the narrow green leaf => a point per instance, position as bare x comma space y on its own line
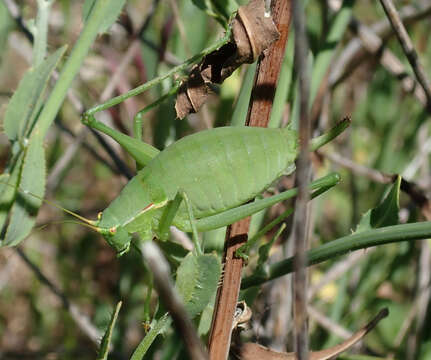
102, 9
283, 86
206, 318
241, 106
343, 245
197, 280
106, 340
157, 327
26, 205
27, 100
385, 214
113, 13
9, 190
265, 248
323, 59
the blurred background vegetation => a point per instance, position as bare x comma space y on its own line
389, 134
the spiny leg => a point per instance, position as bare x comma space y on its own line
198, 248
168, 216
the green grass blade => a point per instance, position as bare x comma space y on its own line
283, 86
317, 142
344, 245
106, 340
8, 193
157, 327
241, 106
111, 14
324, 57
25, 207
102, 9
41, 33
26, 101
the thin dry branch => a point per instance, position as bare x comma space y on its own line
374, 45
408, 48
300, 222
258, 115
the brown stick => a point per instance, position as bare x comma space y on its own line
300, 221
407, 45
259, 112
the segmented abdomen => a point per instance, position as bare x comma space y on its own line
222, 168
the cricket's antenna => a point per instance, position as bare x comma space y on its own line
92, 227
85, 222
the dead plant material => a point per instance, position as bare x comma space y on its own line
252, 351
252, 32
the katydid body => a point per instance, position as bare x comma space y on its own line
215, 172
218, 169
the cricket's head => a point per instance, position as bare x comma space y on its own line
118, 237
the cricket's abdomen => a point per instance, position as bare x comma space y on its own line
222, 168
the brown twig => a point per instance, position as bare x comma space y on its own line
353, 53
374, 45
258, 115
252, 351
302, 179
407, 45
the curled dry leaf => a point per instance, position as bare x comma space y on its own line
252, 351
252, 32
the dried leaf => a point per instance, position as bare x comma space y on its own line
259, 29
252, 32
252, 351
192, 94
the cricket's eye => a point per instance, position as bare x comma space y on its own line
99, 215
113, 230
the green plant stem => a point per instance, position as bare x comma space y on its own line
72, 66
41, 31
235, 214
321, 140
149, 84
157, 327
363, 240
106, 341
